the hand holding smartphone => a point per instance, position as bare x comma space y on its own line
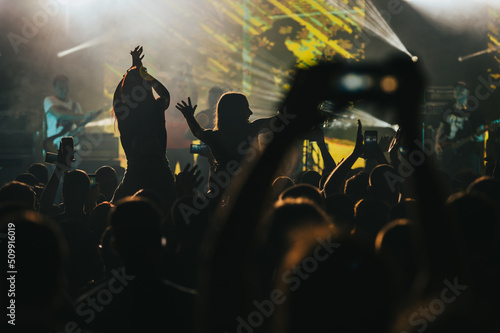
202, 149
370, 143
65, 155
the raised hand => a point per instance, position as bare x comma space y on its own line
384, 143
137, 57
187, 180
187, 109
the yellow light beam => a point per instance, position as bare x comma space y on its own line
318, 34
325, 12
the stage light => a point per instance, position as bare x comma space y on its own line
372, 20
353, 82
389, 84
92, 42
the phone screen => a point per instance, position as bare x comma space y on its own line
50, 158
198, 149
371, 138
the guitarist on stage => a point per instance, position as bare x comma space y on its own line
61, 111
462, 126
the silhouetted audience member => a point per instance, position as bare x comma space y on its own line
33, 182
399, 244
84, 264
206, 119
184, 239
356, 187
370, 216
18, 192
384, 183
28, 179
152, 196
287, 215
478, 221
40, 171
304, 191
143, 136
40, 282
358, 282
310, 177
279, 185
107, 179
487, 186
341, 209
463, 179
145, 301
233, 136
98, 220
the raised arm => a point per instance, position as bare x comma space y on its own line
159, 88
338, 176
63, 164
328, 162
187, 111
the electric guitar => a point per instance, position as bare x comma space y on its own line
50, 146
452, 147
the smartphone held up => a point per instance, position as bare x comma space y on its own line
65, 154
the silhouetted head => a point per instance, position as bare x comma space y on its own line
396, 242
40, 171
487, 186
304, 191
477, 218
75, 189
28, 179
40, 254
370, 216
108, 181
356, 187
280, 184
213, 96
384, 183
356, 283
341, 210
134, 103
136, 224
151, 195
232, 111
18, 192
98, 219
464, 178
287, 215
310, 177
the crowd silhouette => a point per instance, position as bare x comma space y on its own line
378, 248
